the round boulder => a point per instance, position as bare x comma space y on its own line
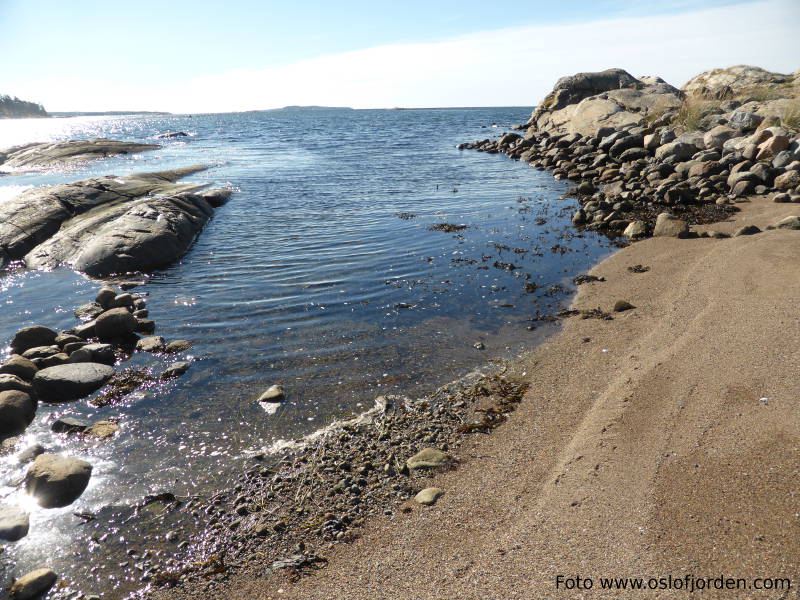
17, 410
57, 481
33, 585
14, 523
31, 337
115, 323
12, 382
70, 382
19, 366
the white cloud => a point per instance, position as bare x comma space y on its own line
514, 66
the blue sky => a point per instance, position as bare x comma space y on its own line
244, 54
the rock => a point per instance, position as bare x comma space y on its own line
48, 154
782, 198
588, 103
33, 584
747, 230
787, 181
151, 344
60, 358
670, 226
87, 312
81, 355
102, 353
216, 197
145, 326
172, 134
40, 352
428, 496
719, 83
176, 346
123, 300
428, 458
622, 306
70, 382
13, 383
85, 330
14, 523
129, 285
105, 297
19, 366
717, 136
102, 430
637, 229
33, 336
274, 393
790, 222
68, 425
745, 121
175, 370
141, 314
57, 481
679, 151
17, 410
65, 339
30, 453
772, 147
115, 323
65, 223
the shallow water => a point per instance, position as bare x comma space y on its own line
321, 274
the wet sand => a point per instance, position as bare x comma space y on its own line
661, 443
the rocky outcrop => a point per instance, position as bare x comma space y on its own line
46, 155
107, 225
588, 103
725, 83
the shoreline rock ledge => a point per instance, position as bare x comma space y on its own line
108, 225
37, 155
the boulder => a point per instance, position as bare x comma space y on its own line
153, 343
788, 180
273, 393
668, 225
14, 523
679, 151
747, 230
635, 230
19, 366
30, 453
772, 147
717, 136
68, 425
115, 323
790, 222
744, 121
102, 430
40, 352
89, 311
70, 382
17, 410
721, 83
105, 297
33, 585
13, 383
176, 346
102, 353
172, 134
33, 336
57, 481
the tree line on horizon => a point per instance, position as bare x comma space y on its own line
11, 107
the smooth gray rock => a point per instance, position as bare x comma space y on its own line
30, 453
17, 410
14, 523
81, 355
635, 230
76, 213
428, 496
33, 584
89, 311
33, 336
57, 481
681, 151
68, 425
176, 346
40, 352
102, 353
49, 154
60, 358
115, 323
153, 343
70, 382
105, 297
790, 222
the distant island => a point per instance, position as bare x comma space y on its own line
108, 113
315, 108
12, 107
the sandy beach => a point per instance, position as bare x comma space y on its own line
660, 443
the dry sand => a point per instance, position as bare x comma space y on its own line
645, 450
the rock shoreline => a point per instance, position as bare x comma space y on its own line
37, 156
637, 151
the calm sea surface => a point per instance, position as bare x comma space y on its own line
321, 274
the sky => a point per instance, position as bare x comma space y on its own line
234, 55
